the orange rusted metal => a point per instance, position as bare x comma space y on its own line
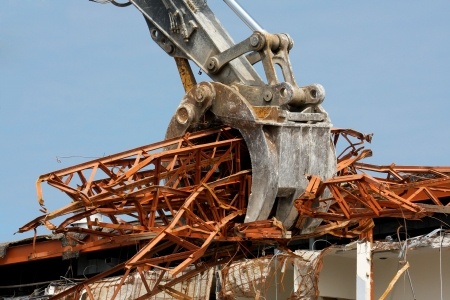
175, 198
178, 198
363, 191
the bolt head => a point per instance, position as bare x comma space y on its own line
200, 96
254, 40
184, 114
211, 64
268, 96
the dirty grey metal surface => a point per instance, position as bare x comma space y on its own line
287, 132
282, 153
189, 29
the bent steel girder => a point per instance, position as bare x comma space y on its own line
362, 196
174, 202
178, 198
411, 192
282, 152
137, 175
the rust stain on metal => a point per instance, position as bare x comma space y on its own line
196, 200
183, 195
357, 196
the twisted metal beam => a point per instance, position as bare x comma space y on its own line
361, 192
174, 198
177, 198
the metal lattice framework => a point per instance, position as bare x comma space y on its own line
174, 198
183, 202
361, 192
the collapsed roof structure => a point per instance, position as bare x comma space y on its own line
250, 175
178, 215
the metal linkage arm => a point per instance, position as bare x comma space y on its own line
189, 29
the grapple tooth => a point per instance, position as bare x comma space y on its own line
282, 152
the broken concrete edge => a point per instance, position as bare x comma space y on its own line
4, 246
307, 265
438, 238
241, 278
61, 237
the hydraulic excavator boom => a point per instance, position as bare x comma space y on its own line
287, 132
249, 159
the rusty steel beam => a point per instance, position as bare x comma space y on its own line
362, 191
176, 197
179, 197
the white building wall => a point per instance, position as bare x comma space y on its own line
338, 276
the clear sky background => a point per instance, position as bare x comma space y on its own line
80, 80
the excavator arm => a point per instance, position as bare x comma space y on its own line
244, 155
284, 126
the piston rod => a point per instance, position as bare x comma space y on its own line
244, 16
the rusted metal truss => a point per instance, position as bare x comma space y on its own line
361, 192
173, 199
183, 202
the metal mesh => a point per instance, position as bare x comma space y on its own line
306, 275
261, 278
246, 278
196, 288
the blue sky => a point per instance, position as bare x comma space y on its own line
82, 80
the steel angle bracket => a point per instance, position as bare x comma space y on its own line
282, 152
